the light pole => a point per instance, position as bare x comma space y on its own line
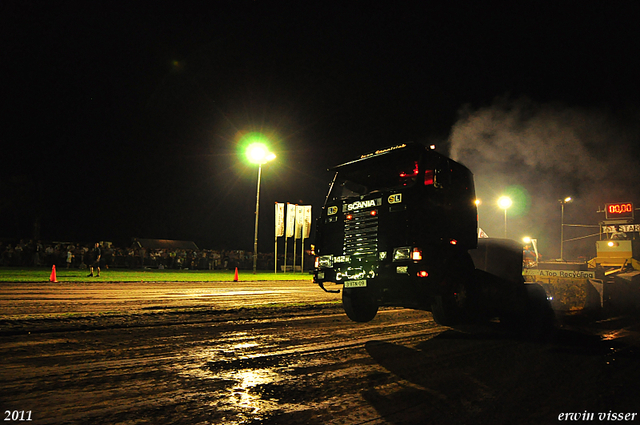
562, 202
258, 153
504, 202
477, 202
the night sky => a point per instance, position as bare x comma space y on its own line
122, 119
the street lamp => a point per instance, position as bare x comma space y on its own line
504, 202
562, 202
258, 153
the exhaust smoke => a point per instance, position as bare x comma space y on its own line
547, 152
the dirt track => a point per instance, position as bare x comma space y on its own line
179, 353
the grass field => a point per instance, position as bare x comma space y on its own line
16, 275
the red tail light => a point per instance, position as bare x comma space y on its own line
413, 172
428, 177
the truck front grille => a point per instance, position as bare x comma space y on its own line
361, 234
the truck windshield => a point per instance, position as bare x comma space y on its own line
392, 171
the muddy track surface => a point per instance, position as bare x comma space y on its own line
307, 364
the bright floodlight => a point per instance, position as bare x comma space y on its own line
504, 202
562, 202
258, 153
526, 239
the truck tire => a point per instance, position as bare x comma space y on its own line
537, 318
444, 310
359, 304
457, 303
542, 318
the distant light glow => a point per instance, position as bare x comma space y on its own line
504, 202
176, 66
255, 148
258, 153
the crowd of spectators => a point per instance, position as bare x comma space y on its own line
78, 256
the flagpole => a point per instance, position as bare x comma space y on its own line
285, 253
275, 250
295, 240
302, 254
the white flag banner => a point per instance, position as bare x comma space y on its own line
299, 220
291, 219
279, 219
306, 226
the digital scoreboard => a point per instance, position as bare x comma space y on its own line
618, 210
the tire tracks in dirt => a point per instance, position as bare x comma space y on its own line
230, 370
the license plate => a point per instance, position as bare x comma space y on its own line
355, 283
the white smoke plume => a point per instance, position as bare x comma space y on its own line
548, 152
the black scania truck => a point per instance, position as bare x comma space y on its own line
399, 228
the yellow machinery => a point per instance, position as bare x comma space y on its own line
610, 281
612, 253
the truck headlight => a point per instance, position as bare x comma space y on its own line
401, 254
325, 261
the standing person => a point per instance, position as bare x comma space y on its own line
37, 257
69, 256
97, 253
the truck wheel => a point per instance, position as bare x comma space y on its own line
446, 309
359, 304
458, 303
536, 319
541, 315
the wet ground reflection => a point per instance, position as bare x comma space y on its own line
247, 381
238, 372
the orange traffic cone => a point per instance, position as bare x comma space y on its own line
53, 275
235, 278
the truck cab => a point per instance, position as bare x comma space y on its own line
396, 229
